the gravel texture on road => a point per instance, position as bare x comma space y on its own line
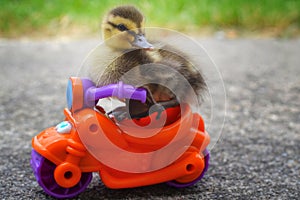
257, 156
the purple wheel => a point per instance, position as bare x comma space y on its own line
182, 185
44, 173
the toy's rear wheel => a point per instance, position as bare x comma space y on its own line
44, 173
182, 185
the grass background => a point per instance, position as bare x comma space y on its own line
42, 18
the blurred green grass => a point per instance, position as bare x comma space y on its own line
42, 18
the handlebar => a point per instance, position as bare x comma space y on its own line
82, 92
119, 90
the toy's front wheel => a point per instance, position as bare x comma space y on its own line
182, 185
44, 173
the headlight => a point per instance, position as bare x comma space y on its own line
64, 127
70, 94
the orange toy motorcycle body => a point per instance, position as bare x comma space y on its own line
127, 153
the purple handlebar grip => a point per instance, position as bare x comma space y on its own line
130, 92
119, 90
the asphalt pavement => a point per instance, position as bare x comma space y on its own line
257, 155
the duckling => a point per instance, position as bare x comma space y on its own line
125, 44
128, 49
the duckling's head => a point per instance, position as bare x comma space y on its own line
123, 29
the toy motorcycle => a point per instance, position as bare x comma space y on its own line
124, 151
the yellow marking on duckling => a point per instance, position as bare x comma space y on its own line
131, 25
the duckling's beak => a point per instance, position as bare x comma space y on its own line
141, 42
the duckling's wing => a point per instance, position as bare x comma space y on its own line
171, 56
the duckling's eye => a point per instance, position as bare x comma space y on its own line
122, 27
